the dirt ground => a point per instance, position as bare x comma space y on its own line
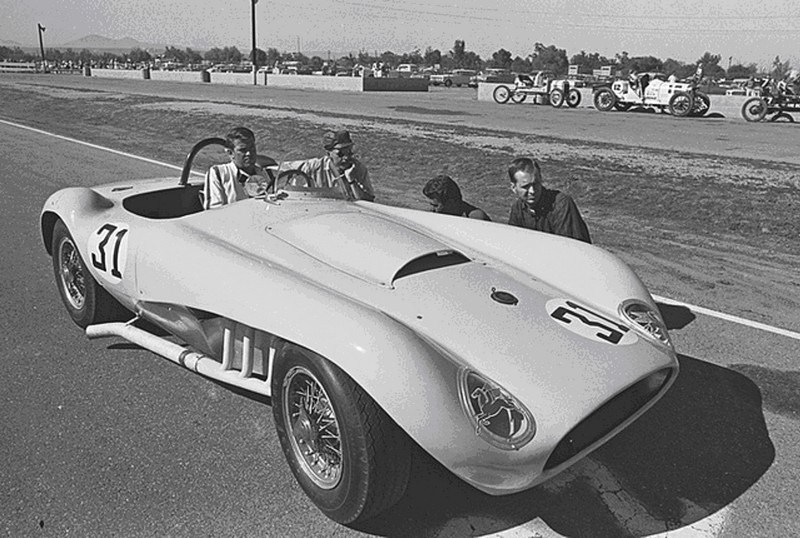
705, 210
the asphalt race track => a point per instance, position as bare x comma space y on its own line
100, 438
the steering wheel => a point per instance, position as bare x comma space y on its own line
293, 180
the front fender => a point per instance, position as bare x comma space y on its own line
75, 206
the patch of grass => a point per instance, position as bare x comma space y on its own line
752, 201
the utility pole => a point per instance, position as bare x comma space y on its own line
254, 56
41, 43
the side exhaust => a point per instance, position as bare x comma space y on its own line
192, 360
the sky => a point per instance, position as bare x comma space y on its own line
740, 31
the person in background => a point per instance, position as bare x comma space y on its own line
540, 208
225, 183
444, 196
339, 168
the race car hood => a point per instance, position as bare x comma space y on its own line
505, 310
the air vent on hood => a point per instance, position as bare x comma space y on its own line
434, 260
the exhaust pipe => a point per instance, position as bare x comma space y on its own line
192, 360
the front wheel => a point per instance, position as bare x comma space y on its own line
754, 109
349, 457
448, 83
501, 95
604, 99
85, 300
573, 98
681, 104
556, 98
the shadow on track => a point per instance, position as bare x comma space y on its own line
702, 446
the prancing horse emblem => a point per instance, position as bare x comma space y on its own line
492, 403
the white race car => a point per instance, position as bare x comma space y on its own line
652, 90
543, 84
506, 354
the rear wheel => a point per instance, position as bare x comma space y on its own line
501, 94
349, 457
556, 98
681, 104
604, 99
702, 103
754, 109
85, 300
573, 98
448, 83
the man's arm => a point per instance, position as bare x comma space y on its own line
214, 191
357, 177
567, 220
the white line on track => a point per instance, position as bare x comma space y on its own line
95, 146
665, 300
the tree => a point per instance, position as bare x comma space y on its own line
549, 58
138, 55
458, 53
501, 59
432, 57
741, 71
645, 64
710, 64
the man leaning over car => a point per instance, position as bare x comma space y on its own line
339, 168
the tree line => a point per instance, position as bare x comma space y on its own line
541, 58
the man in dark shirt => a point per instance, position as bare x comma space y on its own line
540, 208
444, 196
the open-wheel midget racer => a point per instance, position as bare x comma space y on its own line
652, 90
506, 354
775, 100
543, 84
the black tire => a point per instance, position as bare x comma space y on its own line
573, 98
556, 98
681, 104
702, 104
755, 109
604, 99
362, 465
518, 98
782, 116
85, 300
501, 95
448, 83
622, 107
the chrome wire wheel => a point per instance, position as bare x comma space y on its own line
314, 429
71, 275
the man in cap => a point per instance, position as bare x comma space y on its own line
338, 168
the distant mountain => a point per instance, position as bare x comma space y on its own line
106, 44
9, 43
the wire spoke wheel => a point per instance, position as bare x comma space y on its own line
315, 433
71, 276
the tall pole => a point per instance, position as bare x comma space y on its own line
254, 56
41, 43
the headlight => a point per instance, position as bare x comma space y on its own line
497, 416
646, 320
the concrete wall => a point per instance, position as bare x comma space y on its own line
307, 82
729, 106
395, 84
315, 82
